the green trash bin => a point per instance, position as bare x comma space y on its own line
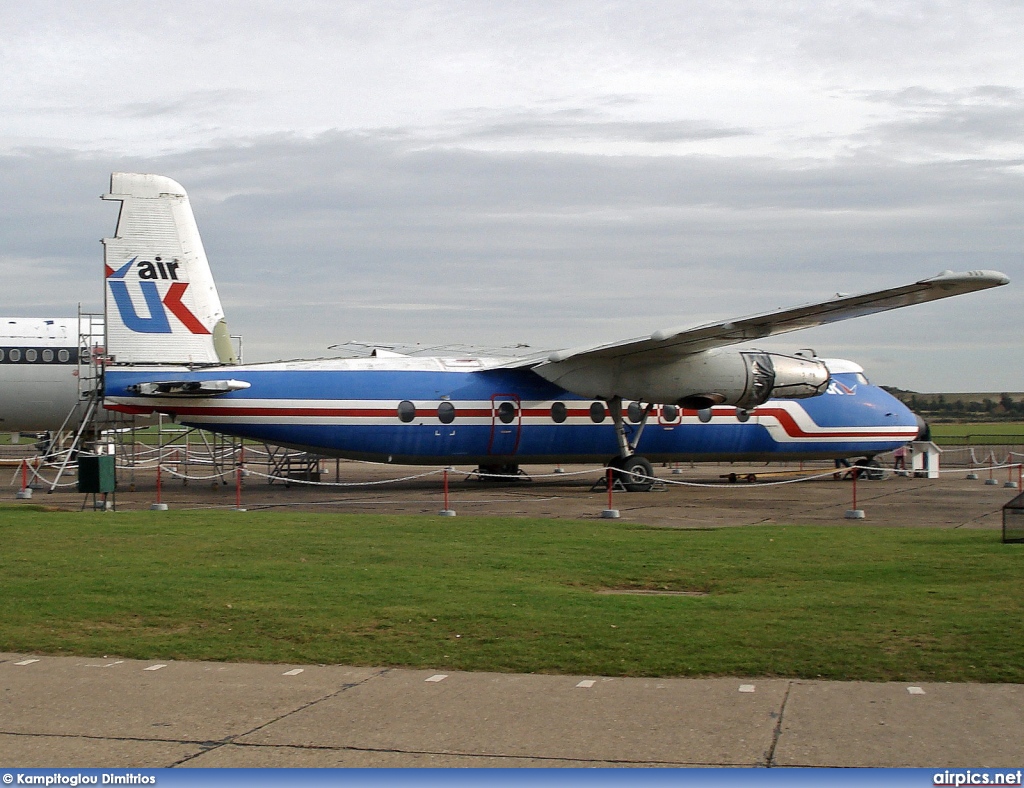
96, 473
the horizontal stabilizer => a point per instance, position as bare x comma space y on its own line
188, 388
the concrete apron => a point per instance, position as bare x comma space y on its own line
73, 711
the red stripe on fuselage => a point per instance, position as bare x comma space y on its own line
794, 430
783, 416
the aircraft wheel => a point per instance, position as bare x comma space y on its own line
635, 473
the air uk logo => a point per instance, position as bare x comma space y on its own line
835, 387
149, 273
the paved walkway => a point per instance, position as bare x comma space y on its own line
73, 711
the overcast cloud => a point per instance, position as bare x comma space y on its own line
549, 173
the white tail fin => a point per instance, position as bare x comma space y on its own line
162, 305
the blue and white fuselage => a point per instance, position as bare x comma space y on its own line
439, 411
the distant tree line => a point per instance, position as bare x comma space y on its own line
962, 407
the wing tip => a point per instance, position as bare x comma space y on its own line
978, 279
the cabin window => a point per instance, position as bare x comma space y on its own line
63, 356
635, 412
597, 412
446, 412
669, 412
1, 355
14, 354
558, 412
47, 355
742, 415
506, 412
406, 411
31, 354
704, 414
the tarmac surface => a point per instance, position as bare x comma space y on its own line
112, 712
61, 711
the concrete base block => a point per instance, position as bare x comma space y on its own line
447, 512
991, 482
609, 514
24, 495
158, 507
854, 514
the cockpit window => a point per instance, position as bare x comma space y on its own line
862, 379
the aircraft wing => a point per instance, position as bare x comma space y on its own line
673, 342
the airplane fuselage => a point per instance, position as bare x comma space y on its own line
39, 384
440, 411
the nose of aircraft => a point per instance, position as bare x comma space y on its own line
924, 430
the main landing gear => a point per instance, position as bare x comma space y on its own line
633, 471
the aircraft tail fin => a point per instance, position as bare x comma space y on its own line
162, 305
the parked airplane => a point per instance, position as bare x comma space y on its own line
39, 383
678, 394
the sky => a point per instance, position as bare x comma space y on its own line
549, 173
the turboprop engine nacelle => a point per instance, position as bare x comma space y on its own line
744, 379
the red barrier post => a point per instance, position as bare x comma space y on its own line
159, 506
238, 487
610, 513
25, 492
991, 468
447, 511
854, 513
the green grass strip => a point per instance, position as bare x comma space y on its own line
504, 594
978, 433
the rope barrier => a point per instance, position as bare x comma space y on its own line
831, 472
228, 460
178, 475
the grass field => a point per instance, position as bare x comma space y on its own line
514, 594
978, 433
